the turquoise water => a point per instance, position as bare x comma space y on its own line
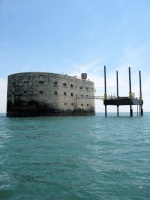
75, 157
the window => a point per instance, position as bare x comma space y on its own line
25, 92
72, 104
81, 87
65, 93
81, 95
87, 104
65, 104
41, 82
71, 94
81, 104
25, 82
55, 93
71, 85
64, 84
41, 92
87, 88
55, 84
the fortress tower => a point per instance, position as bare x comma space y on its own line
49, 94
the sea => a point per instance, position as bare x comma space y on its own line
72, 158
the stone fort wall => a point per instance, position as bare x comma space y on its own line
49, 94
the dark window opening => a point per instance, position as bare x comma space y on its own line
71, 85
65, 93
25, 82
72, 104
87, 88
25, 92
40, 82
71, 94
65, 104
81, 87
55, 93
55, 84
64, 84
41, 92
81, 104
87, 104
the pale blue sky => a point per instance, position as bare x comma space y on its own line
74, 36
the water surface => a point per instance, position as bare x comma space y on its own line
75, 157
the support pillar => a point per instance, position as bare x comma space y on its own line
105, 111
141, 111
117, 92
105, 90
117, 110
131, 111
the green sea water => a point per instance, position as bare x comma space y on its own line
75, 158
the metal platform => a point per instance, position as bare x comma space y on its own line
123, 101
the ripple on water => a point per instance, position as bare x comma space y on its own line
75, 157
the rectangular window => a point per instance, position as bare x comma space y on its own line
25, 82
55, 84
65, 93
25, 92
87, 88
81, 87
81, 104
72, 104
71, 85
65, 84
41, 92
41, 82
65, 104
55, 93
71, 94
87, 104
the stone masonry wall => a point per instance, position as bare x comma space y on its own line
36, 94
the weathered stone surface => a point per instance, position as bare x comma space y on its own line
48, 94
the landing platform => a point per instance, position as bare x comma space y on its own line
120, 101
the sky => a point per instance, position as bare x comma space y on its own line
78, 36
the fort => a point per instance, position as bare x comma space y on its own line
49, 94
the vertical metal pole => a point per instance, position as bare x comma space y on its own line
117, 93
137, 110
130, 83
130, 93
117, 84
105, 110
141, 109
105, 89
140, 85
131, 111
117, 110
